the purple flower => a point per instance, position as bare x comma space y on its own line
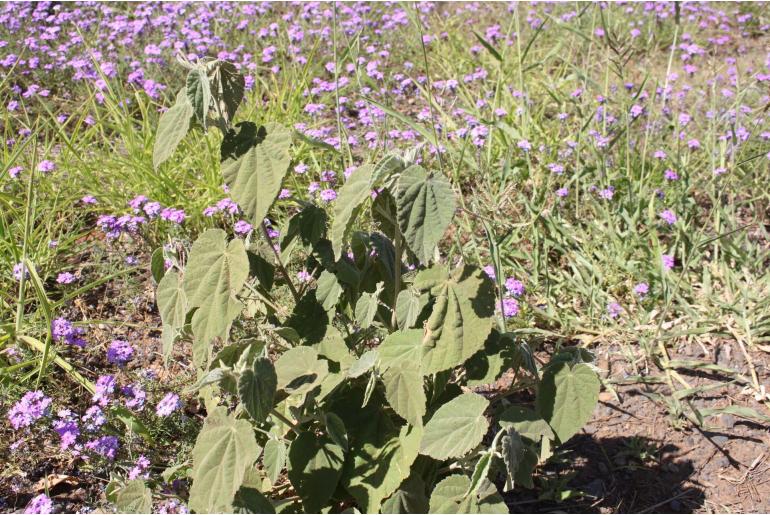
105, 446
284, 194
168, 404
46, 166
510, 307
671, 175
89, 200
668, 216
65, 278
328, 195
18, 270
720, 171
15, 171
614, 310
94, 418
303, 276
514, 287
135, 396
62, 329
33, 406
301, 168
490, 271
668, 261
139, 468
525, 145
607, 193
562, 192
641, 289
636, 110
39, 504
105, 387
242, 227
119, 352
67, 429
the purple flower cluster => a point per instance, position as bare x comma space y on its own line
168, 404
119, 352
30, 408
63, 330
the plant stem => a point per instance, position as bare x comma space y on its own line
397, 273
282, 268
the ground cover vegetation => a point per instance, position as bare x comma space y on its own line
385, 257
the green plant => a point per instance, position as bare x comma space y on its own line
361, 388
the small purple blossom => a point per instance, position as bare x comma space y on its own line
168, 404
63, 330
671, 175
668, 216
65, 278
105, 446
614, 310
242, 227
119, 352
642, 289
39, 504
135, 396
514, 287
510, 307
105, 387
139, 468
328, 195
46, 166
33, 406
667, 260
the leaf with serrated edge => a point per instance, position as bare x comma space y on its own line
135, 497
363, 364
199, 94
254, 163
315, 466
404, 391
354, 192
274, 459
366, 307
224, 450
216, 271
256, 389
401, 346
449, 496
172, 128
567, 397
172, 306
462, 316
407, 308
456, 428
328, 291
426, 206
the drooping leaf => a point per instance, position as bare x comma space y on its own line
274, 459
199, 94
426, 206
215, 273
462, 315
335, 428
309, 225
135, 497
451, 496
224, 450
299, 370
567, 396
409, 498
366, 307
309, 319
456, 428
172, 306
489, 364
227, 88
387, 166
254, 163
315, 466
134, 424
480, 472
328, 291
250, 500
381, 455
172, 128
400, 347
408, 308
256, 389
404, 391
354, 192
157, 265
512, 450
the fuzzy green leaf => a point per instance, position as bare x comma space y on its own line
315, 466
199, 94
224, 450
366, 307
404, 391
400, 347
456, 428
135, 497
567, 396
451, 496
250, 500
409, 498
274, 459
256, 389
354, 192
462, 316
299, 370
172, 305
335, 428
408, 308
526, 422
363, 364
172, 128
328, 291
227, 88
426, 206
216, 271
254, 163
